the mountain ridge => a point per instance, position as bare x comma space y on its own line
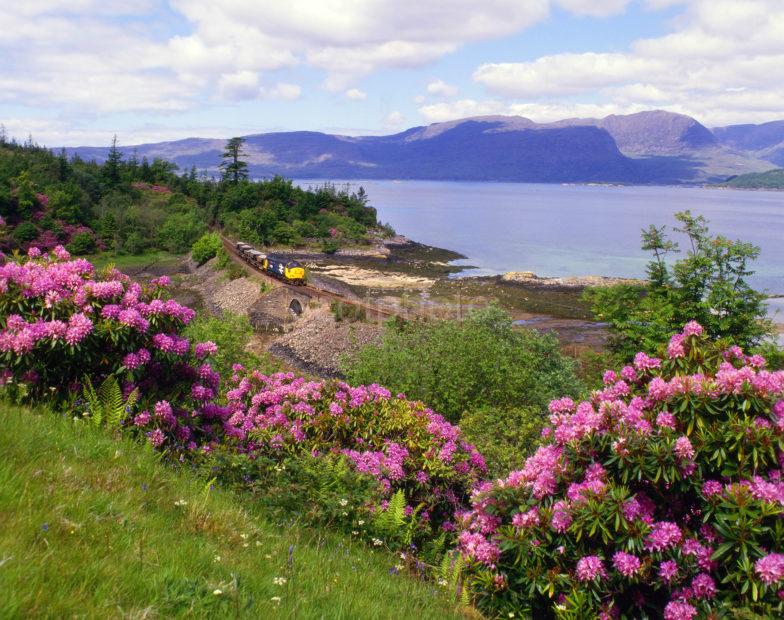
654, 147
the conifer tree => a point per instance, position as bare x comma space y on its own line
112, 166
233, 167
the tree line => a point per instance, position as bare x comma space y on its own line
129, 205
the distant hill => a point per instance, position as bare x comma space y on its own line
765, 141
772, 179
654, 147
651, 133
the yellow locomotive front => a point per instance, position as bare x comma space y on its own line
294, 272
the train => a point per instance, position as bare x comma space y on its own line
289, 271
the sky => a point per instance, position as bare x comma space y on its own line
76, 72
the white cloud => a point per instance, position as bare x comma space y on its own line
594, 8
354, 94
394, 120
663, 4
563, 74
722, 63
349, 39
441, 89
239, 85
57, 132
284, 91
244, 85
447, 111
114, 56
538, 112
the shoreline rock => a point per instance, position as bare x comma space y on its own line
529, 278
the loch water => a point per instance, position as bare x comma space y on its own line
573, 230
566, 230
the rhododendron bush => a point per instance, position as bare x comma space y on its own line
400, 443
62, 322
661, 495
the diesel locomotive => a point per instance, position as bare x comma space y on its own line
289, 271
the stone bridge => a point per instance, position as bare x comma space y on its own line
281, 305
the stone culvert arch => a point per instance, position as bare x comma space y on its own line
295, 307
281, 305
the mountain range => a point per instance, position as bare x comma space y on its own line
654, 147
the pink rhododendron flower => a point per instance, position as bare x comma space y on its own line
770, 568
675, 348
205, 349
711, 488
626, 563
663, 535
683, 448
590, 567
668, 571
703, 586
676, 610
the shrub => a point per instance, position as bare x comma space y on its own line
180, 230
401, 444
328, 246
136, 243
60, 323
347, 312
457, 367
82, 243
231, 334
708, 285
661, 494
232, 269
504, 437
206, 247
26, 231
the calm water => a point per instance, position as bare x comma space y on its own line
556, 230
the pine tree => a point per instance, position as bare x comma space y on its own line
234, 169
133, 166
112, 166
63, 171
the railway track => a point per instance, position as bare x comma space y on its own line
317, 293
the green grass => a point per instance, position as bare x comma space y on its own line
772, 179
96, 527
132, 262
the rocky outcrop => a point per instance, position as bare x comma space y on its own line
529, 278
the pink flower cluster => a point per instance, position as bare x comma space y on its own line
69, 317
770, 568
402, 444
159, 189
590, 567
652, 417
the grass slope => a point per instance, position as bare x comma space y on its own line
92, 527
772, 179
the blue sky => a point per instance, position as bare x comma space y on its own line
75, 72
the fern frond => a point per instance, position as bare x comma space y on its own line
93, 402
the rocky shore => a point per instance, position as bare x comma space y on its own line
529, 278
